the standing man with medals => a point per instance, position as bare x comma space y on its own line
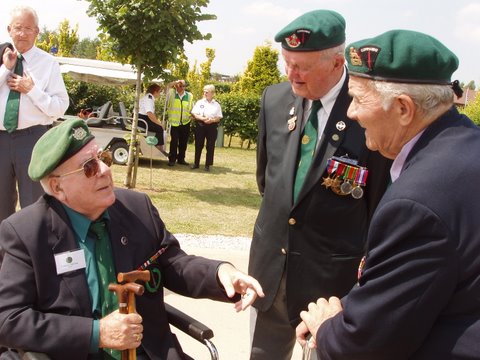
418, 293
32, 96
310, 233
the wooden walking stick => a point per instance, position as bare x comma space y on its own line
126, 291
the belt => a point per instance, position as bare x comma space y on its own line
30, 130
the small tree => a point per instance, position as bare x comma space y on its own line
148, 34
261, 71
472, 110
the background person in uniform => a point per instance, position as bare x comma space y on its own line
207, 112
29, 103
147, 113
179, 107
49, 306
309, 237
418, 294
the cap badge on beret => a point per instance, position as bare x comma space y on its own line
79, 133
368, 55
298, 38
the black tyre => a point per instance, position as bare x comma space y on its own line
119, 153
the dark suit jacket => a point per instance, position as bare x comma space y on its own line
322, 234
419, 295
3, 47
50, 313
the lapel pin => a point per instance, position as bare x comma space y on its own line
341, 126
124, 240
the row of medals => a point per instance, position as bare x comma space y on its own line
343, 187
345, 177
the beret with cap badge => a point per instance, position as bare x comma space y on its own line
313, 31
403, 56
58, 145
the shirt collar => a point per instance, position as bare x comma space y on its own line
328, 100
81, 223
399, 162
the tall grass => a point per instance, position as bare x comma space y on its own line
223, 201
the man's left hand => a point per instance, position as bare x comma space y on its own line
234, 281
22, 84
316, 315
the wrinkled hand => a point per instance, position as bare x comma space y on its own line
22, 84
9, 58
234, 281
316, 315
121, 331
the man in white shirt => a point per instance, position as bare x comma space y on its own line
41, 98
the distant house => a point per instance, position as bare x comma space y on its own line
467, 97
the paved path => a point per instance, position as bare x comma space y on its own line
231, 329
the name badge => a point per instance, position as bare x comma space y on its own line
70, 261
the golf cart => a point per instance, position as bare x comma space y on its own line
111, 131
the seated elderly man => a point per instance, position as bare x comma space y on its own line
418, 293
60, 254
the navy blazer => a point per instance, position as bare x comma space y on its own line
319, 239
45, 312
419, 295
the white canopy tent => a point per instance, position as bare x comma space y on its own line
98, 71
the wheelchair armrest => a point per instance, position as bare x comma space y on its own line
188, 325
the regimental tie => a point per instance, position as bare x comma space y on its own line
307, 148
106, 275
10, 121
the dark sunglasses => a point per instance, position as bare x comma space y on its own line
91, 167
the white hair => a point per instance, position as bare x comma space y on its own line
209, 88
46, 185
428, 98
21, 9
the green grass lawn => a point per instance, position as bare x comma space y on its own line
223, 201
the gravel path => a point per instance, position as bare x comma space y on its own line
214, 241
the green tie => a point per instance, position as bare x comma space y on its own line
10, 120
307, 148
106, 275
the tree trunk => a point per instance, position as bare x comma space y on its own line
133, 152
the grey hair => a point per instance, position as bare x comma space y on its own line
45, 185
209, 88
428, 98
20, 9
336, 50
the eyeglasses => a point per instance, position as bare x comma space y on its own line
25, 30
91, 167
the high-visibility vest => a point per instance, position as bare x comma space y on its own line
179, 109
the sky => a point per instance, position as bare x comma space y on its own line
243, 25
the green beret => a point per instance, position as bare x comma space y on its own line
313, 31
402, 56
58, 145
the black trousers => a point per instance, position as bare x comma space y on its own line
154, 127
178, 142
204, 132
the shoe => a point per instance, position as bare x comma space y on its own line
207, 168
166, 154
171, 163
194, 167
182, 162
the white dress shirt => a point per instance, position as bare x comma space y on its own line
47, 101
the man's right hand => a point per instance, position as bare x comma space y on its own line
9, 58
121, 331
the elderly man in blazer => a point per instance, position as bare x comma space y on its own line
310, 232
418, 293
52, 299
